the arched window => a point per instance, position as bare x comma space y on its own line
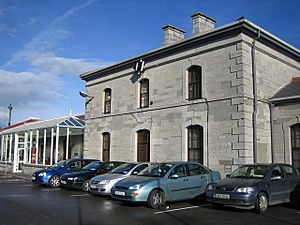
295, 140
195, 83
195, 143
107, 100
144, 93
106, 146
143, 146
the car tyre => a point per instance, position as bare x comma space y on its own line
156, 198
85, 186
262, 203
54, 181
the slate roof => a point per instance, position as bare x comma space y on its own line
288, 93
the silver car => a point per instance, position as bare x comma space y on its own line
102, 184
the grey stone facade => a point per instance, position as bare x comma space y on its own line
225, 110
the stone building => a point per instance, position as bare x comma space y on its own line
203, 98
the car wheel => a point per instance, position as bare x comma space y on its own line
85, 186
262, 202
54, 181
155, 199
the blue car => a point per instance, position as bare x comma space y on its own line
255, 186
162, 182
51, 175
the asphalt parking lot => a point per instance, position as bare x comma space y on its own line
22, 203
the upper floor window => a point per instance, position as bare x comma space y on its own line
144, 93
195, 82
107, 100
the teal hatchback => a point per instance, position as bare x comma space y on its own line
162, 182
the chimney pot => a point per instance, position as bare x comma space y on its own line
202, 23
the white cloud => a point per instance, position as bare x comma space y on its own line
44, 80
11, 31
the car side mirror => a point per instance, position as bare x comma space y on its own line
174, 176
276, 178
227, 175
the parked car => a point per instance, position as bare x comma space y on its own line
102, 184
162, 182
80, 179
51, 175
255, 186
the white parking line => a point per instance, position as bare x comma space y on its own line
83, 195
179, 209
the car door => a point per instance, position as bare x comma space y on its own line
198, 178
279, 186
178, 183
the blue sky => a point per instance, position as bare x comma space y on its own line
46, 45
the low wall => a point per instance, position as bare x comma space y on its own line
28, 169
6, 167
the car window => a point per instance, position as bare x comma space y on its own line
139, 168
276, 172
86, 162
75, 165
289, 170
124, 168
180, 171
195, 170
92, 166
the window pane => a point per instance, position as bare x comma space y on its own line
195, 143
144, 93
194, 86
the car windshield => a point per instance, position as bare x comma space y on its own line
124, 168
93, 166
251, 171
59, 165
156, 170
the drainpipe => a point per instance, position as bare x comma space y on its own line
207, 119
271, 107
254, 97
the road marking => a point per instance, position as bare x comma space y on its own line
16, 196
179, 209
83, 195
51, 189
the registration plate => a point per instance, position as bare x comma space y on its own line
63, 182
122, 193
222, 196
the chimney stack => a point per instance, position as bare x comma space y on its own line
172, 35
202, 23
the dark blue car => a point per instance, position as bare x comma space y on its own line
255, 186
51, 175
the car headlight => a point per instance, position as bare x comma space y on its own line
42, 174
245, 189
104, 182
135, 187
210, 187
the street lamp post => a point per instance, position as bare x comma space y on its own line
9, 117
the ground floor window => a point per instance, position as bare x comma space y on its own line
295, 140
195, 143
105, 146
143, 146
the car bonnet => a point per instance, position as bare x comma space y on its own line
134, 180
109, 176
